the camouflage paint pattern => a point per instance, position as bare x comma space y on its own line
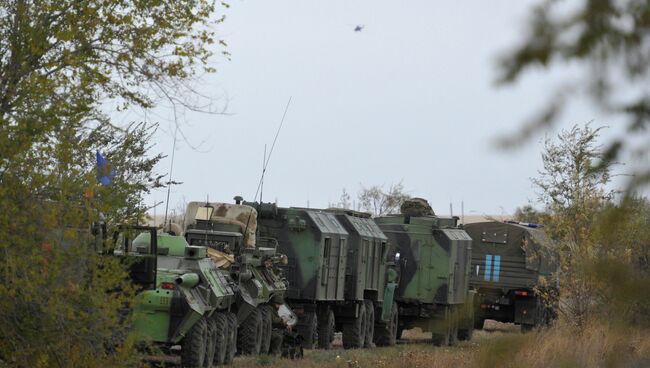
316, 245
433, 266
231, 229
243, 217
510, 262
166, 313
434, 260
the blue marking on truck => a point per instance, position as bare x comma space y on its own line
497, 268
488, 267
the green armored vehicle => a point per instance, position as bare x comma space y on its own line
513, 270
228, 233
185, 300
433, 256
338, 274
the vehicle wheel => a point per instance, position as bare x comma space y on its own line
386, 333
308, 329
440, 339
370, 324
443, 325
267, 327
277, 338
354, 332
326, 329
222, 338
466, 332
231, 344
400, 331
193, 346
211, 343
249, 335
478, 322
453, 330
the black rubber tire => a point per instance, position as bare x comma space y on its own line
267, 327
442, 327
386, 332
478, 322
277, 337
400, 331
370, 325
466, 334
249, 334
308, 328
326, 329
231, 347
440, 339
211, 342
222, 338
193, 345
453, 331
354, 332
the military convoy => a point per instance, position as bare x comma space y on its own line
338, 271
253, 278
514, 272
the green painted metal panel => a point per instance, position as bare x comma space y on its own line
151, 315
434, 260
316, 247
525, 254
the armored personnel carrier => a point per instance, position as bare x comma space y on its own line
185, 300
514, 271
433, 256
339, 276
228, 232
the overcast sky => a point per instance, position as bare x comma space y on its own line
411, 98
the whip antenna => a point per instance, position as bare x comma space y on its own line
266, 162
171, 169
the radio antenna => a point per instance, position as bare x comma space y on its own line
171, 169
266, 161
262, 179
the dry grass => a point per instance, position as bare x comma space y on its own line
499, 345
597, 345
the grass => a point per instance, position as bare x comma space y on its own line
598, 345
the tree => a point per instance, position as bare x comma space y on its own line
527, 213
381, 202
573, 189
607, 38
60, 61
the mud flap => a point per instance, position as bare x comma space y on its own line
526, 311
387, 306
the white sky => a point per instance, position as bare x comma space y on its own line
411, 98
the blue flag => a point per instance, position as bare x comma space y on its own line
104, 170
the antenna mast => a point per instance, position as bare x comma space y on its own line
171, 169
267, 159
263, 170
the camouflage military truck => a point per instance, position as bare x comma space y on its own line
513, 270
338, 274
228, 231
433, 258
185, 300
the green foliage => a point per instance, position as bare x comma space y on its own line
528, 213
573, 192
603, 245
609, 40
61, 304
